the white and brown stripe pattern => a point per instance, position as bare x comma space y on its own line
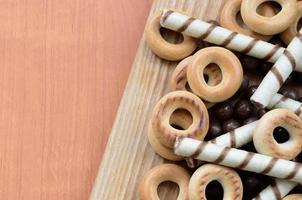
236, 158
281, 70
236, 138
213, 33
276, 191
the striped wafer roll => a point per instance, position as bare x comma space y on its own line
276, 191
236, 138
278, 74
215, 34
236, 158
280, 101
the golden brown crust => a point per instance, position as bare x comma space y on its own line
164, 49
268, 25
291, 31
228, 19
231, 69
179, 77
228, 178
264, 139
293, 197
161, 173
160, 149
160, 120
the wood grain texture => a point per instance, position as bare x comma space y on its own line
63, 66
128, 155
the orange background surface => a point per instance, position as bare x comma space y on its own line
63, 68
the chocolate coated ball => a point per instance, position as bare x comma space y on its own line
243, 109
250, 63
251, 90
290, 92
244, 84
265, 67
223, 111
215, 130
230, 125
260, 113
249, 120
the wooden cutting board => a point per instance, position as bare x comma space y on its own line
128, 154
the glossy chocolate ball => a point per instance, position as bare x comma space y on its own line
290, 92
243, 109
275, 40
230, 125
223, 111
251, 90
249, 147
215, 130
245, 83
249, 120
260, 113
265, 67
250, 63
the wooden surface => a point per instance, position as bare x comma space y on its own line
128, 154
63, 67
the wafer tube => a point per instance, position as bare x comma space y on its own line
278, 74
236, 138
215, 34
280, 101
240, 159
276, 191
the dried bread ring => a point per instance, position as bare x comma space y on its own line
293, 197
163, 48
179, 77
179, 118
268, 25
164, 109
231, 70
263, 136
228, 18
228, 178
292, 30
161, 173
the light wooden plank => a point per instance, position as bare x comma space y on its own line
128, 155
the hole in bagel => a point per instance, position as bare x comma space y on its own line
168, 190
214, 191
281, 135
299, 24
171, 36
275, 5
181, 119
212, 74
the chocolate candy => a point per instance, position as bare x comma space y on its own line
250, 63
290, 92
223, 111
251, 90
215, 130
244, 84
249, 120
265, 67
253, 183
243, 109
230, 125
260, 113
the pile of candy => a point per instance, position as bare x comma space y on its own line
238, 110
